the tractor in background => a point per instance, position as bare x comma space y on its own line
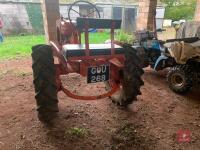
181, 55
115, 64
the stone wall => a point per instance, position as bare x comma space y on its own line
146, 14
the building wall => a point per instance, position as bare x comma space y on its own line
15, 18
107, 11
27, 17
129, 19
21, 17
197, 15
146, 14
160, 13
64, 11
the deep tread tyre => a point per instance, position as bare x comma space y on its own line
179, 79
132, 80
44, 82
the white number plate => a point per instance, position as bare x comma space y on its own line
98, 74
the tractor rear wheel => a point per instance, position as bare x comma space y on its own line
44, 74
132, 80
180, 79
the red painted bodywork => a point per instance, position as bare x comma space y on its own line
80, 64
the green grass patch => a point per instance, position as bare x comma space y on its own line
97, 38
77, 132
17, 46
125, 38
14, 46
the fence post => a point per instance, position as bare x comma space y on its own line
50, 11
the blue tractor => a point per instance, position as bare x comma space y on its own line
183, 74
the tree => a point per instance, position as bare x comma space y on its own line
180, 9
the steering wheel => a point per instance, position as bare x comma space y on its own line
91, 6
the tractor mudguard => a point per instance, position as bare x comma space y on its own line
159, 61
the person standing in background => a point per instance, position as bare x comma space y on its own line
1, 26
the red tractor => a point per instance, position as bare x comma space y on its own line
116, 64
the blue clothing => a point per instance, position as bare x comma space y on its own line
1, 37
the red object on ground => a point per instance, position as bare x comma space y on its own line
184, 136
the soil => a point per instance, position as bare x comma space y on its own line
151, 123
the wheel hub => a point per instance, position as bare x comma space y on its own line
177, 80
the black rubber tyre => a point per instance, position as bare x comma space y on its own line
143, 55
44, 82
179, 79
132, 80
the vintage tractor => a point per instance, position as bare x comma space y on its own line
116, 64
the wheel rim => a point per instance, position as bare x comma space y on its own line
177, 80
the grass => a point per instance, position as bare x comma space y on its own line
98, 38
14, 46
17, 46
77, 132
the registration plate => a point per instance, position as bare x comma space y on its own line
98, 74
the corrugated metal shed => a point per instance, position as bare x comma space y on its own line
104, 1
25, 1
160, 13
71, 1
94, 1
126, 10
116, 2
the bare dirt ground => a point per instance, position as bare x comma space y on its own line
150, 123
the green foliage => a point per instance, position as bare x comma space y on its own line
180, 9
124, 37
180, 12
77, 132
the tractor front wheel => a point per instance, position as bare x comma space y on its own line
44, 74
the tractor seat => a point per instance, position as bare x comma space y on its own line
77, 50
